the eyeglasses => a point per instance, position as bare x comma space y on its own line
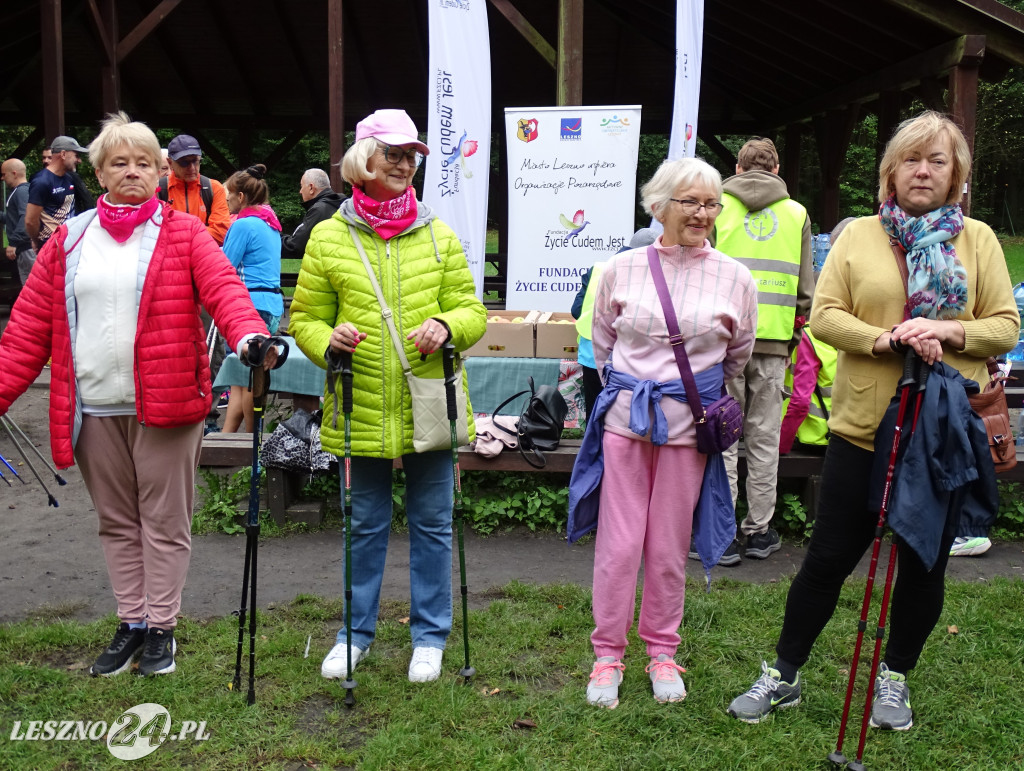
395, 155
187, 162
690, 207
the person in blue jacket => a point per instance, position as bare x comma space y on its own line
253, 245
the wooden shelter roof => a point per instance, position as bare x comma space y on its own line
264, 64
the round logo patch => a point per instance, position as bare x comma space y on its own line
761, 225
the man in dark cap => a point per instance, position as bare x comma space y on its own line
51, 194
189, 191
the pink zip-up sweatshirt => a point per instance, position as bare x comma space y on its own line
715, 301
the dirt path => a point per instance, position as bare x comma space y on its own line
51, 563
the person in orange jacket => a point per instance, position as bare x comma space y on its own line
185, 186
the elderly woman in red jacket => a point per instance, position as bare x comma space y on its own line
114, 299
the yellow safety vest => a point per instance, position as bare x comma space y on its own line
584, 324
768, 242
814, 429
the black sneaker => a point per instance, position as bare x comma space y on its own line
222, 402
731, 558
158, 656
119, 654
761, 545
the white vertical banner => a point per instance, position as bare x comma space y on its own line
689, 47
571, 197
459, 123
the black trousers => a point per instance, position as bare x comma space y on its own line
591, 387
844, 529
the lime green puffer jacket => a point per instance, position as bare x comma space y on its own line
423, 274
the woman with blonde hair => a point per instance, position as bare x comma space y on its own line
424, 278
114, 297
956, 307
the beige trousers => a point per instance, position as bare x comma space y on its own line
142, 482
758, 389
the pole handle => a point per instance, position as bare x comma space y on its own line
448, 361
346, 381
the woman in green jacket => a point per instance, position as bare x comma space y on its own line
424, 277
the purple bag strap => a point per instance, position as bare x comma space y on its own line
675, 337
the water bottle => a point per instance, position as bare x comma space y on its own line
1017, 354
820, 245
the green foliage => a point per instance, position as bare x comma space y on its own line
219, 501
793, 513
492, 501
1010, 520
1013, 249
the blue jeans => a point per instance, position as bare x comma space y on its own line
429, 501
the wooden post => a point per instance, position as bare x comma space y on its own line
963, 99
888, 118
52, 87
570, 52
336, 90
833, 132
110, 72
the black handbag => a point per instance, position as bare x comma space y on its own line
539, 428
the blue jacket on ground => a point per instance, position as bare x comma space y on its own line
714, 520
944, 477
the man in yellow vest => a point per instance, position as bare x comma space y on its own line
762, 227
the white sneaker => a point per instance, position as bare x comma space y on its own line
425, 665
335, 665
969, 547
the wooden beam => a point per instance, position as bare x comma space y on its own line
570, 52
833, 132
33, 138
888, 118
226, 32
723, 153
52, 86
153, 20
110, 72
897, 77
99, 26
284, 147
527, 30
295, 49
1001, 25
963, 104
211, 151
335, 89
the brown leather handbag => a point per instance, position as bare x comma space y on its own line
989, 403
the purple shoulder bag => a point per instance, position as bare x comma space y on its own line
720, 425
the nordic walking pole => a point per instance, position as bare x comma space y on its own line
60, 480
259, 379
858, 765
340, 362
50, 499
450, 384
13, 471
837, 757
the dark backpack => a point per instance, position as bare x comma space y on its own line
205, 193
540, 425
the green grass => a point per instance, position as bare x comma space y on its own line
1013, 248
530, 647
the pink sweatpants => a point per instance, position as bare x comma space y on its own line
648, 495
142, 482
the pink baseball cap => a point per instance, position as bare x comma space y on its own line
392, 127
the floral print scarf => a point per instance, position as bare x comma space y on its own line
937, 284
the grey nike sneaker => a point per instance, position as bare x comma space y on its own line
767, 694
891, 705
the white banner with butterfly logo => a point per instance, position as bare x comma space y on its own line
571, 197
459, 124
689, 50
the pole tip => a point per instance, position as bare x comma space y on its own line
467, 672
837, 759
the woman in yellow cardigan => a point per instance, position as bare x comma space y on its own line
961, 311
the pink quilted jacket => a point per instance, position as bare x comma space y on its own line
172, 373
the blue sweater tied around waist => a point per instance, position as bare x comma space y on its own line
714, 519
